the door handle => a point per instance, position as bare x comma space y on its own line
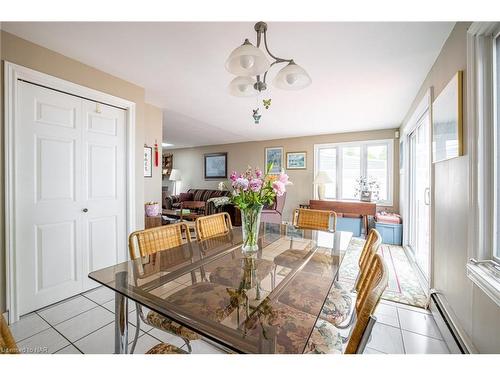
85, 210
427, 196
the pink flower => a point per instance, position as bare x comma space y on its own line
258, 173
255, 184
283, 178
279, 188
233, 176
241, 183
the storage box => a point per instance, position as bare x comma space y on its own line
392, 234
350, 225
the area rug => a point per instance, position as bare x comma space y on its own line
403, 287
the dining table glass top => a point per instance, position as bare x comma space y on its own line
266, 302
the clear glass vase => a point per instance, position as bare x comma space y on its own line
250, 223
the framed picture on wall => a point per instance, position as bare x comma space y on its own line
447, 121
215, 166
274, 155
148, 161
296, 160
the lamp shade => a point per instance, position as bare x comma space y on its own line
292, 77
247, 60
322, 178
175, 175
242, 86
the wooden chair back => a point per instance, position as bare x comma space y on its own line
370, 248
372, 286
7, 342
315, 219
213, 225
150, 241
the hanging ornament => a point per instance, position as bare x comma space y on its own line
267, 103
156, 153
256, 116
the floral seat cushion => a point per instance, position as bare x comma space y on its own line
306, 293
164, 348
206, 299
162, 322
236, 273
325, 339
283, 328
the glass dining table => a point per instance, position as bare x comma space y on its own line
265, 302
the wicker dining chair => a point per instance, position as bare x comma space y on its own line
7, 342
315, 219
213, 225
326, 338
150, 241
338, 308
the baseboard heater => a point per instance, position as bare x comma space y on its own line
455, 338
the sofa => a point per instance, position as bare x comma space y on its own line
173, 202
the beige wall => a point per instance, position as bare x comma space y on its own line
153, 122
476, 313
22, 52
190, 162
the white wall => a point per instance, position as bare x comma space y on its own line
477, 314
153, 129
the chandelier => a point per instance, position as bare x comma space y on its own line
251, 66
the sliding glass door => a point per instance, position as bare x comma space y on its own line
419, 194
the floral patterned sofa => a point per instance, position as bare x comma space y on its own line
174, 201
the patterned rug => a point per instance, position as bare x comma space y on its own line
403, 287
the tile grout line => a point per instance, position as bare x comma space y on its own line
55, 329
401, 333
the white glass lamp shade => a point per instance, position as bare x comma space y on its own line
247, 60
292, 77
322, 178
175, 175
242, 86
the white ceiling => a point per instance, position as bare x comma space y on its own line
364, 75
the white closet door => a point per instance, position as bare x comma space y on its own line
70, 194
104, 191
48, 237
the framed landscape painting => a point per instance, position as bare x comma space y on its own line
216, 166
296, 160
447, 121
274, 155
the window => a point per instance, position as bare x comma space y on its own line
345, 163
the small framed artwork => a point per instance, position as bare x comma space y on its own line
148, 161
274, 155
216, 166
296, 160
447, 117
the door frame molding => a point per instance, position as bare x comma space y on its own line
12, 74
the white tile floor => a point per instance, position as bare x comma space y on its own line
85, 324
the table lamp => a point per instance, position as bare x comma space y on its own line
175, 176
321, 179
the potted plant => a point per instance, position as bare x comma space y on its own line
251, 191
367, 189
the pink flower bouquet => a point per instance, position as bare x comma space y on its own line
251, 191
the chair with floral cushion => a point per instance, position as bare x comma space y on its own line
338, 304
326, 338
150, 241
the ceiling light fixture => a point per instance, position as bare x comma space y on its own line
248, 60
